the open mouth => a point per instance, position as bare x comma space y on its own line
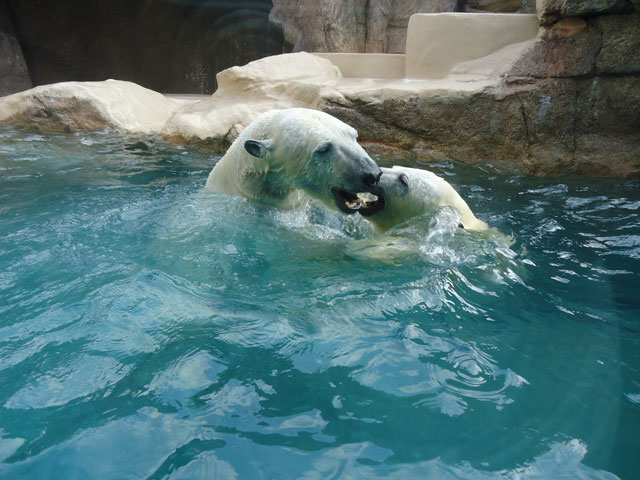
365, 203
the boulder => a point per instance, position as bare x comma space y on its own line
608, 106
281, 81
583, 74
550, 126
79, 106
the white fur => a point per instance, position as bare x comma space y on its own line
425, 192
292, 163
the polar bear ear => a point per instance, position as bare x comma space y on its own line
258, 148
324, 147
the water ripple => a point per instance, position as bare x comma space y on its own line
84, 376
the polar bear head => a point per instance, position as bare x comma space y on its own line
297, 149
409, 192
405, 194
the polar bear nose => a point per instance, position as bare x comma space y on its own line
369, 179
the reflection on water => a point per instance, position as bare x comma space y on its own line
149, 328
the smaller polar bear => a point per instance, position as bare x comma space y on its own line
284, 155
409, 192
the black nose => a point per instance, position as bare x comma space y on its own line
370, 179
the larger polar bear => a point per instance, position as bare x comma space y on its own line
284, 155
409, 192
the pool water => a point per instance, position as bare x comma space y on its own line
151, 329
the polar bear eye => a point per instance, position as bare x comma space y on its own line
404, 180
324, 147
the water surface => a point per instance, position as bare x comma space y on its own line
151, 329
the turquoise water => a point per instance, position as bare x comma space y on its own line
150, 329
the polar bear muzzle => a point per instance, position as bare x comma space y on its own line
365, 203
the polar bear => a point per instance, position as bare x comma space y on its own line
284, 155
408, 192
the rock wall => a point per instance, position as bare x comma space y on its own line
372, 26
14, 75
167, 46
579, 88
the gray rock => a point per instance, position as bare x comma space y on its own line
620, 51
551, 126
584, 118
608, 106
592, 155
567, 48
501, 6
321, 25
14, 76
549, 11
